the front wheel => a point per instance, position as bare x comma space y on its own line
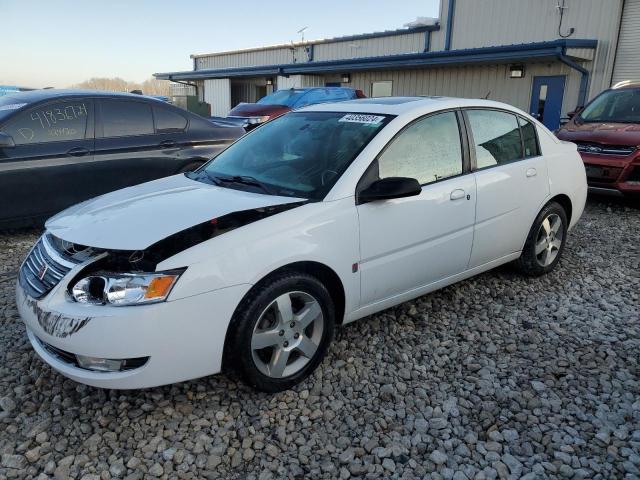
281, 331
545, 242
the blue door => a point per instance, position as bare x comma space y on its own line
546, 99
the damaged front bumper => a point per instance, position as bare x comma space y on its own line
158, 344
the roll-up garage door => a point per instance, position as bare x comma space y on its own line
627, 65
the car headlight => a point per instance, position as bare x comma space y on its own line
257, 120
121, 289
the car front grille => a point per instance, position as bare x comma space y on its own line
602, 149
635, 175
43, 268
597, 173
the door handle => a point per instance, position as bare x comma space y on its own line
168, 144
78, 152
532, 172
457, 194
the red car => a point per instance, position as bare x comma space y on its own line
607, 132
250, 115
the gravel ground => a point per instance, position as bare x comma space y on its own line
499, 376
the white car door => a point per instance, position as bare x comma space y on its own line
511, 178
407, 243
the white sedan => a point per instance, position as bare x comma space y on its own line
321, 217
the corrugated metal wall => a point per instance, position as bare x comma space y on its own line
297, 81
248, 90
217, 93
388, 45
245, 59
179, 89
479, 23
472, 82
370, 47
627, 62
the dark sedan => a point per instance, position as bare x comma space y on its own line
60, 147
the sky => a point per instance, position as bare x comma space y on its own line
61, 42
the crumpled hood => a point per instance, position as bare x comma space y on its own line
136, 217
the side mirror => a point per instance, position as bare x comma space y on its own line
575, 112
388, 188
6, 140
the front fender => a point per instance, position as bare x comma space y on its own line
323, 232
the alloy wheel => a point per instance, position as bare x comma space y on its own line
549, 240
287, 335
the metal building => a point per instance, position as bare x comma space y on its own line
543, 56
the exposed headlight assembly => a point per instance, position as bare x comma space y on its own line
120, 289
257, 120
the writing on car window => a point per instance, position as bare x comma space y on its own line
55, 122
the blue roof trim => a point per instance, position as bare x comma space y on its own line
520, 52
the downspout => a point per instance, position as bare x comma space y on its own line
427, 41
584, 80
449, 34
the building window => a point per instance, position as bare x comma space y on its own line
381, 89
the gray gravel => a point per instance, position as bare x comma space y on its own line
497, 377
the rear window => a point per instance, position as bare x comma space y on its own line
496, 136
283, 97
168, 120
121, 118
529, 138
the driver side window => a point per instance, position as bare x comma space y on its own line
428, 150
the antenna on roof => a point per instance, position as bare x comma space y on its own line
301, 32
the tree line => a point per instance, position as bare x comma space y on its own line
151, 86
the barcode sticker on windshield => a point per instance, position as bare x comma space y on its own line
360, 118
12, 106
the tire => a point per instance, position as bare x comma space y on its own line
545, 232
265, 333
189, 167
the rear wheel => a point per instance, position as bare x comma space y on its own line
545, 242
281, 331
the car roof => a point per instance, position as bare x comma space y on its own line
626, 84
33, 96
306, 89
405, 105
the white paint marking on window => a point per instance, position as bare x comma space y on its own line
12, 106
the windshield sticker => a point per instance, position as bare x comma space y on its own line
12, 106
360, 118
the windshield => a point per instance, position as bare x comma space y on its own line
283, 97
618, 106
300, 154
